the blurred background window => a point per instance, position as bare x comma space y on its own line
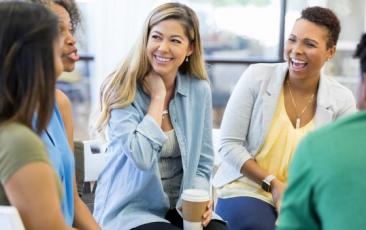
235, 34
239, 30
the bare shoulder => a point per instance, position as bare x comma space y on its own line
63, 102
64, 105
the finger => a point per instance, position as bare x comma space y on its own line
278, 206
209, 204
207, 213
206, 221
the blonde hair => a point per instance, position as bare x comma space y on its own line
118, 90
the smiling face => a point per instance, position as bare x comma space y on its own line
167, 47
69, 53
306, 49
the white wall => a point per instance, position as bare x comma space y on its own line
115, 26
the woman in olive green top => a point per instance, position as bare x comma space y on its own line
30, 60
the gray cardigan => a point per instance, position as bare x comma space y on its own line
250, 110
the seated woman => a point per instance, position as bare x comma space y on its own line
30, 60
157, 110
272, 107
326, 170
58, 136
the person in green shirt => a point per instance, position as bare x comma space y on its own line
30, 60
326, 189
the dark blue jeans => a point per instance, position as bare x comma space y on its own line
176, 223
246, 213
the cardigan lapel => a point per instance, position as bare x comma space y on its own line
324, 107
271, 95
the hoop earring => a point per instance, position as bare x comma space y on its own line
187, 60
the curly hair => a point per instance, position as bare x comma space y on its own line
42, 2
324, 17
69, 5
73, 10
361, 53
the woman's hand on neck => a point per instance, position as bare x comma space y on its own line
154, 86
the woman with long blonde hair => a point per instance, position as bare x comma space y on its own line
156, 113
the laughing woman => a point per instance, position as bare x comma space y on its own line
272, 107
157, 111
58, 137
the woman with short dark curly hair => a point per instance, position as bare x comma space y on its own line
324, 17
324, 190
271, 109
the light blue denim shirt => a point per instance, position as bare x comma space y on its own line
130, 191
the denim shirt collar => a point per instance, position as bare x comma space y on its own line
181, 85
181, 88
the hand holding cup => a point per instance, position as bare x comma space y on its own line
196, 209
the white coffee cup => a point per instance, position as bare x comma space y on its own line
194, 204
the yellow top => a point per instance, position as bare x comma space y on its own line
274, 155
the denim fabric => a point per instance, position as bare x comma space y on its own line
247, 213
130, 191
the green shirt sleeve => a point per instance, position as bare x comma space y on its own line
19, 147
297, 209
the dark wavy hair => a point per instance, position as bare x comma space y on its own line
69, 5
28, 33
324, 17
361, 53
73, 10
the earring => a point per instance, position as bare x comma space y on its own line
187, 59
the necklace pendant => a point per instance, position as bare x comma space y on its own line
297, 123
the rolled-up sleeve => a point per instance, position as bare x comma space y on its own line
139, 135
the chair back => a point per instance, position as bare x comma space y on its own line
94, 159
10, 218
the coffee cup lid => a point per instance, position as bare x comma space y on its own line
195, 195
